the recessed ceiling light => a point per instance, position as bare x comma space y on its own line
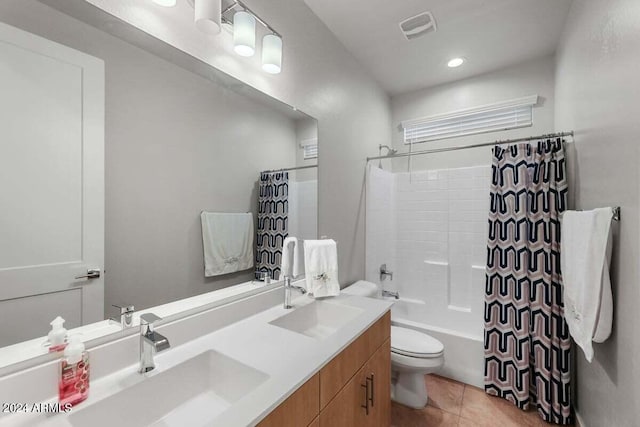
165, 3
455, 62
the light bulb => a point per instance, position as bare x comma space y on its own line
244, 34
455, 62
165, 3
272, 54
207, 15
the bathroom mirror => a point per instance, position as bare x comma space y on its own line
112, 145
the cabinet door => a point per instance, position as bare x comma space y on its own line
347, 409
377, 372
344, 366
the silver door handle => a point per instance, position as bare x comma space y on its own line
92, 273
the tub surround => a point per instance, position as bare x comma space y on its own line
287, 358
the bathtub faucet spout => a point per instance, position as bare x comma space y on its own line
390, 294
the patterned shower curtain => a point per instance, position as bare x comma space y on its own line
273, 227
526, 340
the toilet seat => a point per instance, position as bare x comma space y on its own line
410, 343
401, 362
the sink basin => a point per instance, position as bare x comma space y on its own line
318, 319
192, 393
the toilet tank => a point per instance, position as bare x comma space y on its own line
362, 288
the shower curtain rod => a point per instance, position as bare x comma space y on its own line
464, 147
291, 169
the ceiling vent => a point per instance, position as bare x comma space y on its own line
418, 26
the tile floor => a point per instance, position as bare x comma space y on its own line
455, 404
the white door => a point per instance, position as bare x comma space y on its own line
51, 185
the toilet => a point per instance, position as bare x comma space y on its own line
413, 355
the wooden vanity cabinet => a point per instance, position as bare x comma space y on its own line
366, 399
352, 390
300, 409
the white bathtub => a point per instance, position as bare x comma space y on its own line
463, 352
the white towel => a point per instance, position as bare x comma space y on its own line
292, 258
321, 267
227, 240
585, 254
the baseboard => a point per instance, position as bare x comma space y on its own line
579, 421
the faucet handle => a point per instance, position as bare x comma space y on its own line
124, 309
126, 315
384, 272
149, 318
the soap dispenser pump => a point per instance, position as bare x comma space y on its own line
57, 335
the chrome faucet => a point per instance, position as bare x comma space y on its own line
287, 291
386, 293
151, 342
265, 277
126, 316
384, 272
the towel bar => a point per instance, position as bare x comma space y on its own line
616, 213
615, 210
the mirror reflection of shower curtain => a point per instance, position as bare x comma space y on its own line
273, 212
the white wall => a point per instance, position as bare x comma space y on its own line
303, 209
597, 95
529, 78
173, 144
320, 78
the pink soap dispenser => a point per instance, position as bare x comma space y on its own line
73, 385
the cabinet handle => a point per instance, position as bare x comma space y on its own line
365, 386
370, 398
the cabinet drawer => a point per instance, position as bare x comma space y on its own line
300, 409
345, 365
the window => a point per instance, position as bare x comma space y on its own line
310, 147
512, 114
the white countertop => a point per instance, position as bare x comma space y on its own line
288, 358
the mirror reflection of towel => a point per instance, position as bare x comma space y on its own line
227, 240
292, 258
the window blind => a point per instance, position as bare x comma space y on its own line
310, 149
512, 114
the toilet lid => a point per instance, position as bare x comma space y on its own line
414, 344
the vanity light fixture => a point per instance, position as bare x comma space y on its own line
208, 14
455, 62
211, 15
165, 3
243, 21
244, 33
272, 54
